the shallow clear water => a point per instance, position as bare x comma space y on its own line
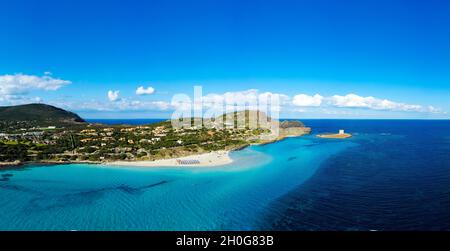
390, 175
86, 197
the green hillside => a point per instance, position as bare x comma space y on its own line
39, 114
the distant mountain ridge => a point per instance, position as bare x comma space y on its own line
39, 113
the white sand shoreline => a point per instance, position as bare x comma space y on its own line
216, 158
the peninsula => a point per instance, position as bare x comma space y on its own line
52, 135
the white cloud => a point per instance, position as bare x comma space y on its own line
19, 100
19, 84
214, 104
113, 96
242, 98
145, 91
120, 105
13, 90
142, 105
356, 101
433, 109
306, 100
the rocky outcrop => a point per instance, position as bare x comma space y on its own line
293, 128
294, 131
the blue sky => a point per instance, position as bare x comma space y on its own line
71, 53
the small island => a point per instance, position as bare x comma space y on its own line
340, 135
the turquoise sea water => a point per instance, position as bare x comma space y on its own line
90, 197
392, 175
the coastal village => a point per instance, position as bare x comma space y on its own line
98, 143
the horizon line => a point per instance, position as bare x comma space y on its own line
285, 118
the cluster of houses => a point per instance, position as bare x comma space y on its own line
105, 135
32, 136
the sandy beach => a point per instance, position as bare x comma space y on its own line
216, 158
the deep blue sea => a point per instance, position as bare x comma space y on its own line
391, 175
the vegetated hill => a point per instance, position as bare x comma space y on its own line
40, 114
228, 119
245, 116
262, 120
284, 129
288, 124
